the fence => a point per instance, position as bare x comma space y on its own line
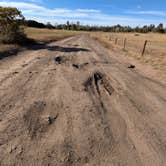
141, 47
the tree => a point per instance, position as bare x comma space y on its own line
32, 23
11, 20
160, 28
50, 26
151, 28
145, 29
68, 25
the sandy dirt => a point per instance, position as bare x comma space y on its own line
72, 103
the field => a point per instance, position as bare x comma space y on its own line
155, 51
39, 35
46, 35
81, 102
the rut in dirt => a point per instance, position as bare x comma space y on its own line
96, 80
96, 85
79, 106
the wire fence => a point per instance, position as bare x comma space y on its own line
142, 47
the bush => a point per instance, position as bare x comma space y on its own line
11, 29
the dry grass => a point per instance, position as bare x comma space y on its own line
39, 35
5, 47
46, 35
155, 53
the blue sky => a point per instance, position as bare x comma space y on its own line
93, 12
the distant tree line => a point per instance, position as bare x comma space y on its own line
12, 24
116, 28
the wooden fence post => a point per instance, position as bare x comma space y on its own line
144, 48
116, 40
125, 43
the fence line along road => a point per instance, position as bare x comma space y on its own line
141, 46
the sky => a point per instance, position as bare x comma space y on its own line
93, 12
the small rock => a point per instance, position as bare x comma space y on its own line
131, 66
51, 119
13, 149
20, 151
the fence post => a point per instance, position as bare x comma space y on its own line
125, 43
144, 48
116, 40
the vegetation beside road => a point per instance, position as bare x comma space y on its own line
76, 26
14, 34
155, 53
48, 35
38, 35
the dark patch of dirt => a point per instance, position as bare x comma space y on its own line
131, 66
76, 66
33, 118
61, 59
16, 72
24, 65
98, 79
80, 66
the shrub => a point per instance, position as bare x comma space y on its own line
11, 29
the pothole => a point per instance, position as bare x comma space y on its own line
96, 80
61, 59
58, 60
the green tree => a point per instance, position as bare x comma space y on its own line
68, 25
50, 26
160, 28
11, 20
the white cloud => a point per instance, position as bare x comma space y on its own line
86, 16
21, 5
36, 1
36, 10
156, 13
88, 10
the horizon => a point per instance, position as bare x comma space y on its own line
98, 13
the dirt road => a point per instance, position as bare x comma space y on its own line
72, 103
